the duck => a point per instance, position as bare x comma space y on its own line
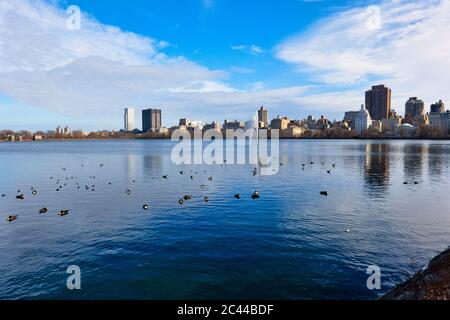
329, 171
145, 207
203, 186
255, 195
406, 182
12, 218
3, 195
206, 199
181, 172
128, 192
237, 196
63, 213
187, 197
324, 193
181, 201
20, 197
210, 179
166, 177
43, 210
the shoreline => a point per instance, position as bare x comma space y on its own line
303, 138
432, 283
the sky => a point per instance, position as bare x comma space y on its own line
214, 59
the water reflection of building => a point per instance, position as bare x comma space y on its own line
376, 167
130, 166
413, 155
437, 159
152, 166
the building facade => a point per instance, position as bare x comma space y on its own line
362, 121
437, 108
414, 107
263, 118
350, 117
128, 119
151, 120
280, 123
378, 102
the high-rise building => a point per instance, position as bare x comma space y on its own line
362, 121
263, 117
151, 120
438, 107
350, 116
378, 102
414, 107
129, 118
184, 122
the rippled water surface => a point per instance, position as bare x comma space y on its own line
292, 243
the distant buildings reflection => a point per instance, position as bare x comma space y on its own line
376, 168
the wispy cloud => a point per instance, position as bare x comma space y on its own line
409, 51
95, 71
250, 49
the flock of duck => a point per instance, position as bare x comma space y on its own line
60, 184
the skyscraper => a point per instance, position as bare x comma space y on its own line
438, 107
129, 117
414, 107
151, 120
378, 102
263, 118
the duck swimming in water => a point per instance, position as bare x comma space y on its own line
255, 195
128, 192
181, 201
43, 210
63, 213
237, 196
324, 193
20, 197
210, 179
165, 177
12, 218
187, 197
145, 207
206, 199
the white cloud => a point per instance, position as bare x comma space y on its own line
409, 52
250, 49
92, 73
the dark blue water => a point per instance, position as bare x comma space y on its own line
289, 244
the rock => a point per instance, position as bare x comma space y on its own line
430, 284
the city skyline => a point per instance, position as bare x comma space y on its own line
204, 66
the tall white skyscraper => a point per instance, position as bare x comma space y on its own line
129, 117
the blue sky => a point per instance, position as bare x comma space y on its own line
210, 59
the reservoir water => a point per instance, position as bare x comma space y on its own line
291, 243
